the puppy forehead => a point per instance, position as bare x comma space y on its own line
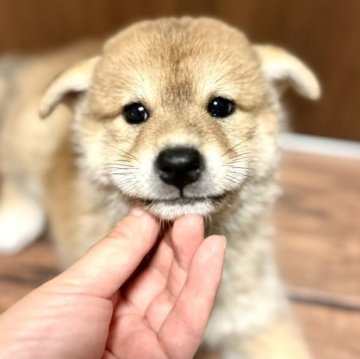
177, 60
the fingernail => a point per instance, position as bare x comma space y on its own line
221, 244
136, 211
214, 247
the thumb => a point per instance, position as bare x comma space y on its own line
111, 261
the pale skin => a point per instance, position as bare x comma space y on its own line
160, 313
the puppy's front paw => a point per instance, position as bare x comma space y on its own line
9, 247
12, 238
17, 232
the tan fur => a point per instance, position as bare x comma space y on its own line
88, 170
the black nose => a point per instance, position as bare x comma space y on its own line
179, 166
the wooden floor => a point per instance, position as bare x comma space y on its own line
318, 248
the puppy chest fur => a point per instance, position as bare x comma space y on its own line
178, 116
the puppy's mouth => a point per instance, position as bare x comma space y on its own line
172, 208
184, 200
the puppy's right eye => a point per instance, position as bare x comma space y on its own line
220, 107
135, 113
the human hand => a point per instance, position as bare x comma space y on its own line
159, 313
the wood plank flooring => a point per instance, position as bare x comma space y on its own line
318, 249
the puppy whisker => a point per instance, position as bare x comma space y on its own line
233, 147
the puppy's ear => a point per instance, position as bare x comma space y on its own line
282, 68
68, 86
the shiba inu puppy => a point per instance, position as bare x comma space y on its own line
179, 116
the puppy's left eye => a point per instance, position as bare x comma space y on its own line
220, 107
135, 113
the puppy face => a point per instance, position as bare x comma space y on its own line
178, 114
